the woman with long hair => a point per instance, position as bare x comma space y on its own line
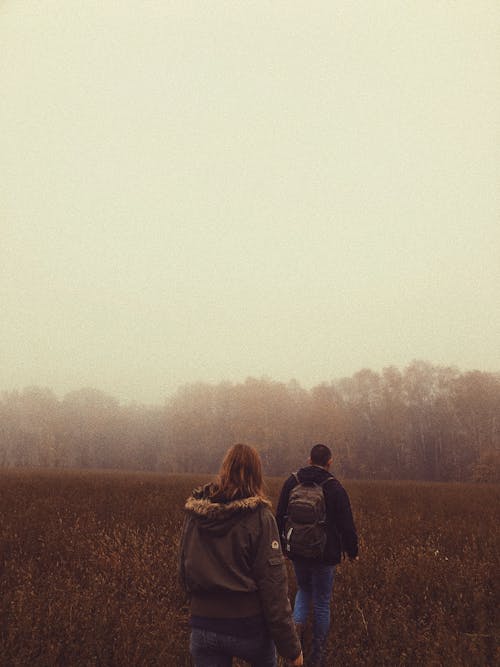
233, 569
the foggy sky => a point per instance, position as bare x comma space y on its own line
211, 190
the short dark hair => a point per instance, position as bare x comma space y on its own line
320, 455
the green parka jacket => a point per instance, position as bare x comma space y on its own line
232, 566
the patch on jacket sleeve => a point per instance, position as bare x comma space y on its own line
275, 544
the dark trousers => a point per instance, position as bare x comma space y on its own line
213, 649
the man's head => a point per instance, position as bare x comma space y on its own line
321, 456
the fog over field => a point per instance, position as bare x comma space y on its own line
198, 192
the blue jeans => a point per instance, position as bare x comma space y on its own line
212, 649
315, 584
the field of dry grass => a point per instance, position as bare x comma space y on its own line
88, 572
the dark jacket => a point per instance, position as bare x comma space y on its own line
341, 532
232, 566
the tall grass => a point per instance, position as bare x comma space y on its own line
88, 572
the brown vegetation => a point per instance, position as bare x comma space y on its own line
88, 572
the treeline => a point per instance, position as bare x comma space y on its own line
425, 422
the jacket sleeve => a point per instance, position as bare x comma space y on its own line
269, 571
345, 523
282, 507
181, 572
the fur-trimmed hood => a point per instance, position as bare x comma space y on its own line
217, 515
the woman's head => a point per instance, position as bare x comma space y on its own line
240, 475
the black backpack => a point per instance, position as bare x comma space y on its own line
305, 521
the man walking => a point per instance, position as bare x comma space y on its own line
315, 522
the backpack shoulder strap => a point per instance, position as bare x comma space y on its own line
295, 474
327, 480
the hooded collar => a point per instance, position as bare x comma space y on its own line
201, 506
313, 474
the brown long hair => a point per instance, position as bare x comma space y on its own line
240, 474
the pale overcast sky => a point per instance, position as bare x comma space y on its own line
199, 191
